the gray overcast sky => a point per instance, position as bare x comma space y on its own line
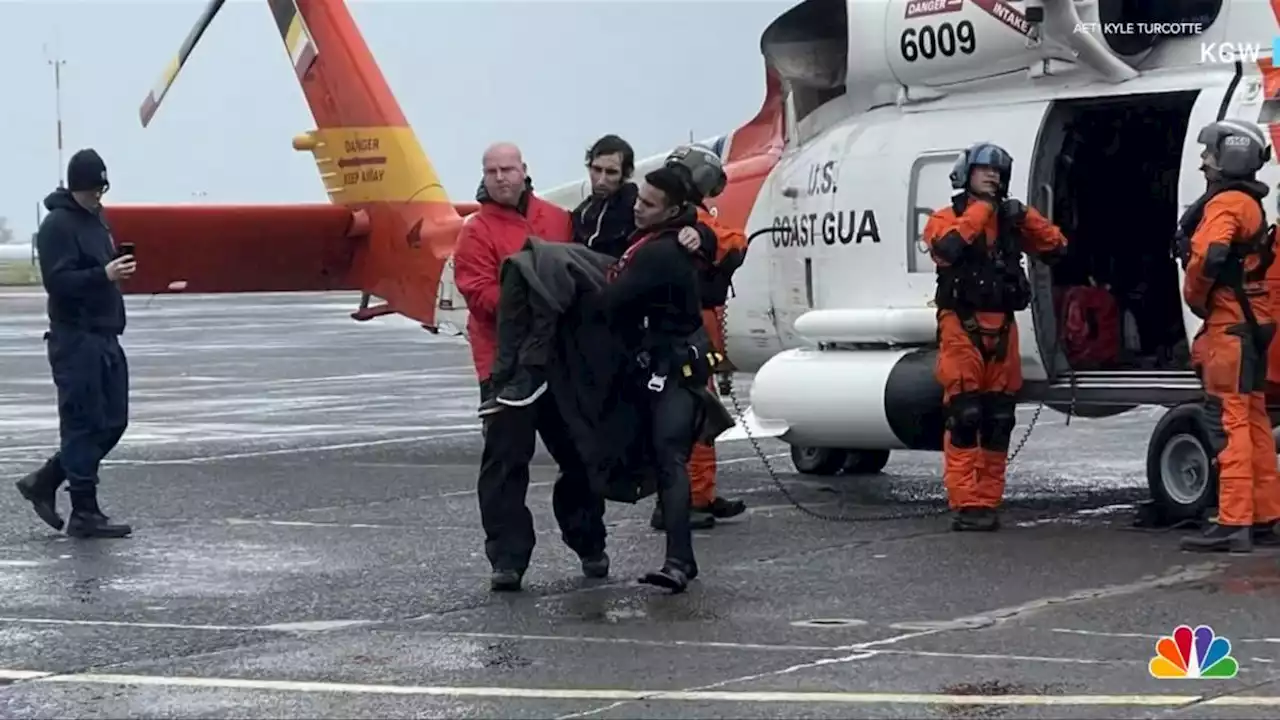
551, 76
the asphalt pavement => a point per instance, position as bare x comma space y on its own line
307, 544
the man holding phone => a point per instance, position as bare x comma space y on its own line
80, 267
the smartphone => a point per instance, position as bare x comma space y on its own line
125, 249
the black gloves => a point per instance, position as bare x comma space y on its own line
1013, 209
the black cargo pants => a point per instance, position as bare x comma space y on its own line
674, 415
504, 483
91, 375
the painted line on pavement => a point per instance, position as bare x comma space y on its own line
124, 624
319, 626
738, 696
463, 431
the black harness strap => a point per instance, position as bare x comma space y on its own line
1264, 245
979, 335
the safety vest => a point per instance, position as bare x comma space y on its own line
990, 277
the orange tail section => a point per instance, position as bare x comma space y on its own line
369, 158
391, 226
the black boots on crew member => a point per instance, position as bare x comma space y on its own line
1267, 534
699, 518
87, 520
40, 488
1221, 538
975, 519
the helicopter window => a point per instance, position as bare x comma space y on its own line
930, 190
809, 48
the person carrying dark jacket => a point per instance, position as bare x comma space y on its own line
509, 214
79, 269
653, 301
605, 220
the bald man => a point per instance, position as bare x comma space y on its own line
509, 213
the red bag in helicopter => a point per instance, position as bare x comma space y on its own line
1091, 327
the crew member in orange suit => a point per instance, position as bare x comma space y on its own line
977, 244
1226, 259
706, 175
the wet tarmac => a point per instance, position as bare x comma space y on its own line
307, 545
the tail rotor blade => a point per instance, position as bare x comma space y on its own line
152, 102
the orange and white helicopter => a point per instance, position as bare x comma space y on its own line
867, 105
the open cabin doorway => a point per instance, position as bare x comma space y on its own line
1107, 173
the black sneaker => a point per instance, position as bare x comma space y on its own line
672, 576
522, 390
596, 566
489, 407
1221, 538
505, 580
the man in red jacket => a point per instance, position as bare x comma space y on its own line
509, 213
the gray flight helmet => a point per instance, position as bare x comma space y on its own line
1238, 147
703, 166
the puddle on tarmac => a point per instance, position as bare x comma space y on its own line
607, 608
992, 688
1254, 576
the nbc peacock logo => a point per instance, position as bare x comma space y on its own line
1193, 654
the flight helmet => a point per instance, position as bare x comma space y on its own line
979, 154
704, 169
1239, 148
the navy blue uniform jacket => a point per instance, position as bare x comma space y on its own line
74, 246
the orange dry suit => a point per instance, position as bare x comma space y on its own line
714, 278
978, 251
1227, 262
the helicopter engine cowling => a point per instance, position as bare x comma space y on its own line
855, 399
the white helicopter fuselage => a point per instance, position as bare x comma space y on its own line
834, 312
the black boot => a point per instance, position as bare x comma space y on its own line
722, 508
975, 520
40, 488
698, 519
87, 520
1267, 534
505, 580
524, 388
596, 566
1221, 538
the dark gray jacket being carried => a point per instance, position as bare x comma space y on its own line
74, 246
594, 377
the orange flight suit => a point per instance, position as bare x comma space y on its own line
702, 461
980, 385
1230, 359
